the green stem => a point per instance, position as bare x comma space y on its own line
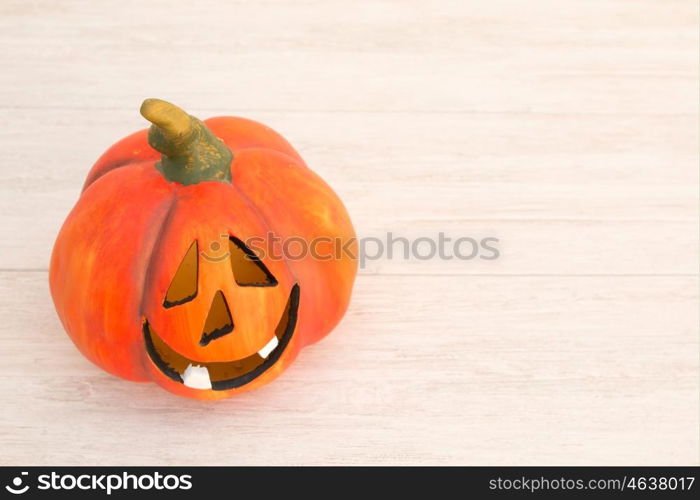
191, 153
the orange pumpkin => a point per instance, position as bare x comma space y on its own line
154, 275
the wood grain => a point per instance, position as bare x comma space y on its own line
568, 130
522, 370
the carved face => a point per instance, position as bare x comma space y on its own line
207, 364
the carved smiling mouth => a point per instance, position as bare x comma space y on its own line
223, 375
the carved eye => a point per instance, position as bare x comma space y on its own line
183, 287
248, 270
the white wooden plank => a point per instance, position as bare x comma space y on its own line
480, 370
564, 194
551, 56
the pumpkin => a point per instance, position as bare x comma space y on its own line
172, 267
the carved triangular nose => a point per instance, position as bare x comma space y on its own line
219, 321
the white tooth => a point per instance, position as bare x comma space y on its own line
269, 347
196, 377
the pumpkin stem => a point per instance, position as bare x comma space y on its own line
191, 153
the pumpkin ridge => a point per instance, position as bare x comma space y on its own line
148, 273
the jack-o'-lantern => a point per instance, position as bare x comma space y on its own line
174, 265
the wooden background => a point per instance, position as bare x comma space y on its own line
567, 129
